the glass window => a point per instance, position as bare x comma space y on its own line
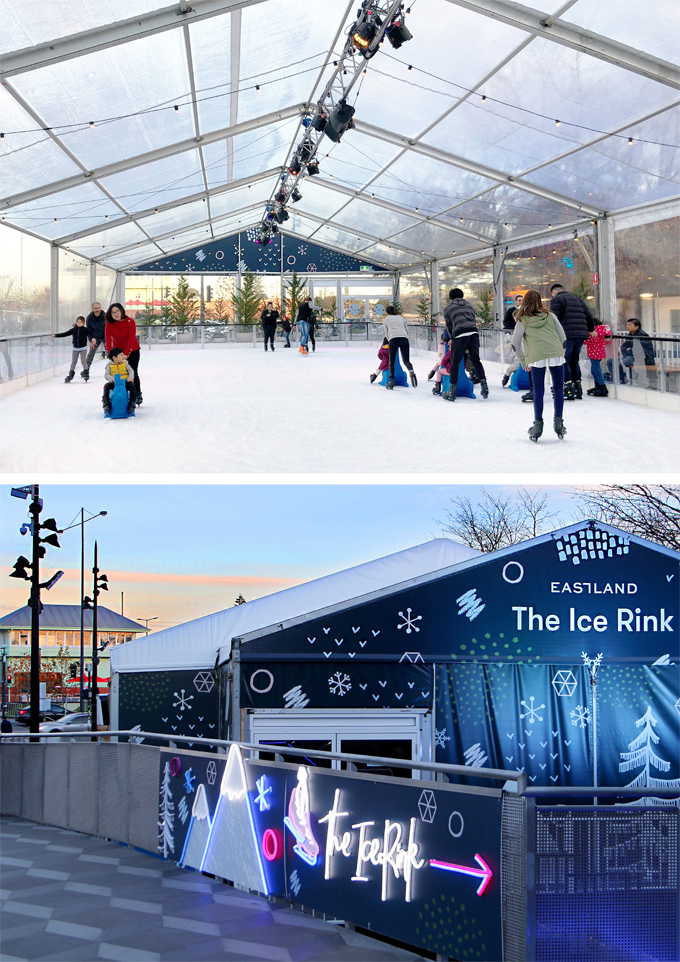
557, 262
105, 283
74, 288
648, 276
474, 278
24, 283
414, 296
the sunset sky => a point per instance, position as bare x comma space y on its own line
178, 552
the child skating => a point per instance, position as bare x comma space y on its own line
384, 355
81, 341
443, 364
118, 365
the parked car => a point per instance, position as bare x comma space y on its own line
74, 722
53, 713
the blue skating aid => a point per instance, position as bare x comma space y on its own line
119, 399
465, 388
520, 380
400, 379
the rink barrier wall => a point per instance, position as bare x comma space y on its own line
576, 880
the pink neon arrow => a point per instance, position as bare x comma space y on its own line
484, 872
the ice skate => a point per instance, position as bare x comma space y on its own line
139, 398
106, 404
569, 391
450, 395
390, 384
430, 375
484, 387
504, 382
437, 389
373, 378
529, 396
69, 377
414, 379
85, 376
578, 390
536, 430
558, 425
131, 404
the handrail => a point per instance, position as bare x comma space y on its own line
590, 791
493, 774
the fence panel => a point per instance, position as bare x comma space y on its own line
33, 781
55, 798
83, 787
144, 777
11, 768
114, 791
514, 878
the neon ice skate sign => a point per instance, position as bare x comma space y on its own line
387, 852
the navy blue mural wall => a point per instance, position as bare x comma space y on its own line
239, 251
508, 634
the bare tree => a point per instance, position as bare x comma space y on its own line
498, 520
650, 511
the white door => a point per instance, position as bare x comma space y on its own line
392, 733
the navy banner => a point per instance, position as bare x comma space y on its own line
182, 702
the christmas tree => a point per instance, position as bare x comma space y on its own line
248, 299
166, 820
642, 754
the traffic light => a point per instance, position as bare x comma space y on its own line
74, 672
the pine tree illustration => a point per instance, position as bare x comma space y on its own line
642, 754
166, 820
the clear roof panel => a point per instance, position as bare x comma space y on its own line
339, 238
158, 183
505, 211
188, 238
113, 83
93, 245
262, 148
67, 212
316, 199
375, 220
233, 200
29, 24
430, 185
139, 255
28, 159
630, 22
392, 256
174, 219
211, 54
435, 241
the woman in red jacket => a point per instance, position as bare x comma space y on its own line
120, 331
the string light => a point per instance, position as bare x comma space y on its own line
92, 123
176, 108
257, 87
483, 99
630, 141
2, 136
558, 123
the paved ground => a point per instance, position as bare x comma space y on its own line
241, 411
71, 897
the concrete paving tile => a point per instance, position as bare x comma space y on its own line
33, 841
25, 908
245, 926
122, 953
105, 917
67, 849
86, 952
253, 950
11, 930
48, 873
10, 835
191, 925
243, 900
211, 951
74, 929
214, 912
12, 958
99, 859
186, 886
137, 905
87, 889
312, 949
153, 937
142, 872
15, 862
42, 944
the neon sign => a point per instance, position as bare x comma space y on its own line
298, 820
387, 852
272, 844
484, 872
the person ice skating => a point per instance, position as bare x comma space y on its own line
312, 328
95, 323
510, 316
577, 323
285, 324
118, 365
302, 324
269, 318
397, 337
80, 336
443, 364
461, 323
539, 340
121, 332
384, 355
596, 351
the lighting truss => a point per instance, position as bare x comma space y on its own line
332, 115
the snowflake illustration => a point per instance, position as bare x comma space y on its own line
427, 806
302, 249
564, 683
441, 738
264, 790
580, 715
204, 681
339, 684
189, 780
409, 622
312, 267
531, 712
211, 773
182, 701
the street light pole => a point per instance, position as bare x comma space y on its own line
81, 673
95, 644
146, 622
34, 602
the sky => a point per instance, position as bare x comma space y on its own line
181, 551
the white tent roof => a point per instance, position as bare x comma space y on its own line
496, 120
200, 643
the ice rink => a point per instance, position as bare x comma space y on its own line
244, 411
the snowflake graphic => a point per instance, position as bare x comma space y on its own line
182, 701
339, 684
441, 738
564, 684
409, 623
475, 756
312, 267
264, 790
211, 773
204, 681
531, 712
427, 806
189, 780
302, 249
580, 715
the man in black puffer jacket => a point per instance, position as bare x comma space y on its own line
461, 323
578, 322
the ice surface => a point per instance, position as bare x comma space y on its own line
239, 410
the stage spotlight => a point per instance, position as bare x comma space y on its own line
313, 168
320, 120
296, 195
281, 215
275, 228
398, 33
363, 35
305, 152
339, 121
295, 165
280, 196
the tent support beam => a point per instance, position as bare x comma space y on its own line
552, 28
113, 34
150, 156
